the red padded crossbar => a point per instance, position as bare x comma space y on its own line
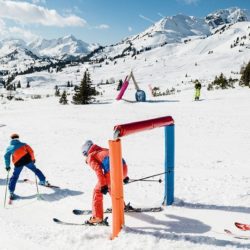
134, 127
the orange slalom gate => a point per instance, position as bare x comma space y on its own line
116, 174
116, 168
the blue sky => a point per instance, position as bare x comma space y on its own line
102, 21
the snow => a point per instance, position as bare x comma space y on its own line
59, 47
211, 175
179, 30
230, 15
212, 150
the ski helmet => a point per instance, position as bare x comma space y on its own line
86, 146
14, 136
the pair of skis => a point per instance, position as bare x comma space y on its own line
127, 209
242, 227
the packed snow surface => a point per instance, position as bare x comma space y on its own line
212, 142
211, 172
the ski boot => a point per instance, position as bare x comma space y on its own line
44, 183
13, 196
95, 221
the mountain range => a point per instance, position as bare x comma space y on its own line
17, 55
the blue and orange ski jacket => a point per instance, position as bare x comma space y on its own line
98, 160
21, 153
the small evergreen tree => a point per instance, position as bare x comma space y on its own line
245, 77
28, 84
221, 81
18, 85
119, 85
63, 100
57, 92
9, 85
85, 92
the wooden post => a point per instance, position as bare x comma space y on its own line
116, 174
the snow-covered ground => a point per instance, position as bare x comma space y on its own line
212, 151
211, 175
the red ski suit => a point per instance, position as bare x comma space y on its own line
98, 160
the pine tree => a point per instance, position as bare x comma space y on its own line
18, 85
245, 78
57, 92
221, 82
85, 92
119, 85
63, 100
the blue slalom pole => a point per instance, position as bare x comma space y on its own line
169, 164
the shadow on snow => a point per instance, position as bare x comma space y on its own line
57, 194
180, 229
238, 209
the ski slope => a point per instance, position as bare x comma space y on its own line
212, 151
211, 174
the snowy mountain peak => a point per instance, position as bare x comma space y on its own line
230, 15
171, 29
176, 29
13, 43
184, 25
61, 47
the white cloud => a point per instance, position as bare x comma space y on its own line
72, 10
102, 27
130, 29
28, 13
190, 1
15, 32
161, 15
3, 29
146, 18
38, 1
2, 24
21, 33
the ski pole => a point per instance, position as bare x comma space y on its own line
37, 190
133, 180
165, 197
7, 182
147, 177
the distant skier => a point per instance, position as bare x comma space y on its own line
98, 159
22, 155
197, 87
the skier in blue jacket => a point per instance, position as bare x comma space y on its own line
22, 155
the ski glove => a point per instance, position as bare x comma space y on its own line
104, 189
126, 180
7, 168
